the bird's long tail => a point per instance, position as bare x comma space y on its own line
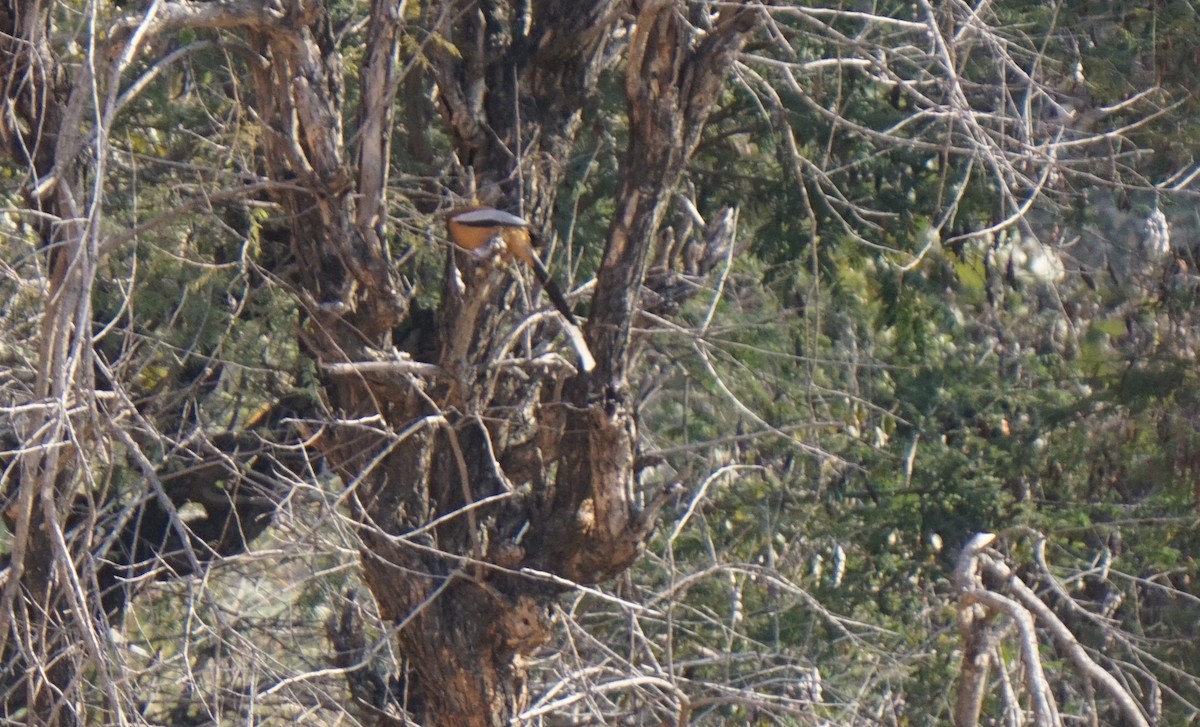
586, 361
552, 289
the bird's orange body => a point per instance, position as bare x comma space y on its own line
476, 228
479, 228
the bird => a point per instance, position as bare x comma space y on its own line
484, 231
481, 229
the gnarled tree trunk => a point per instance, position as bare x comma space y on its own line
520, 478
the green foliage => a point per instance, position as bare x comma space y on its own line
944, 390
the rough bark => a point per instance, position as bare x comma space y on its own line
591, 529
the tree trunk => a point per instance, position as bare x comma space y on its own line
454, 489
